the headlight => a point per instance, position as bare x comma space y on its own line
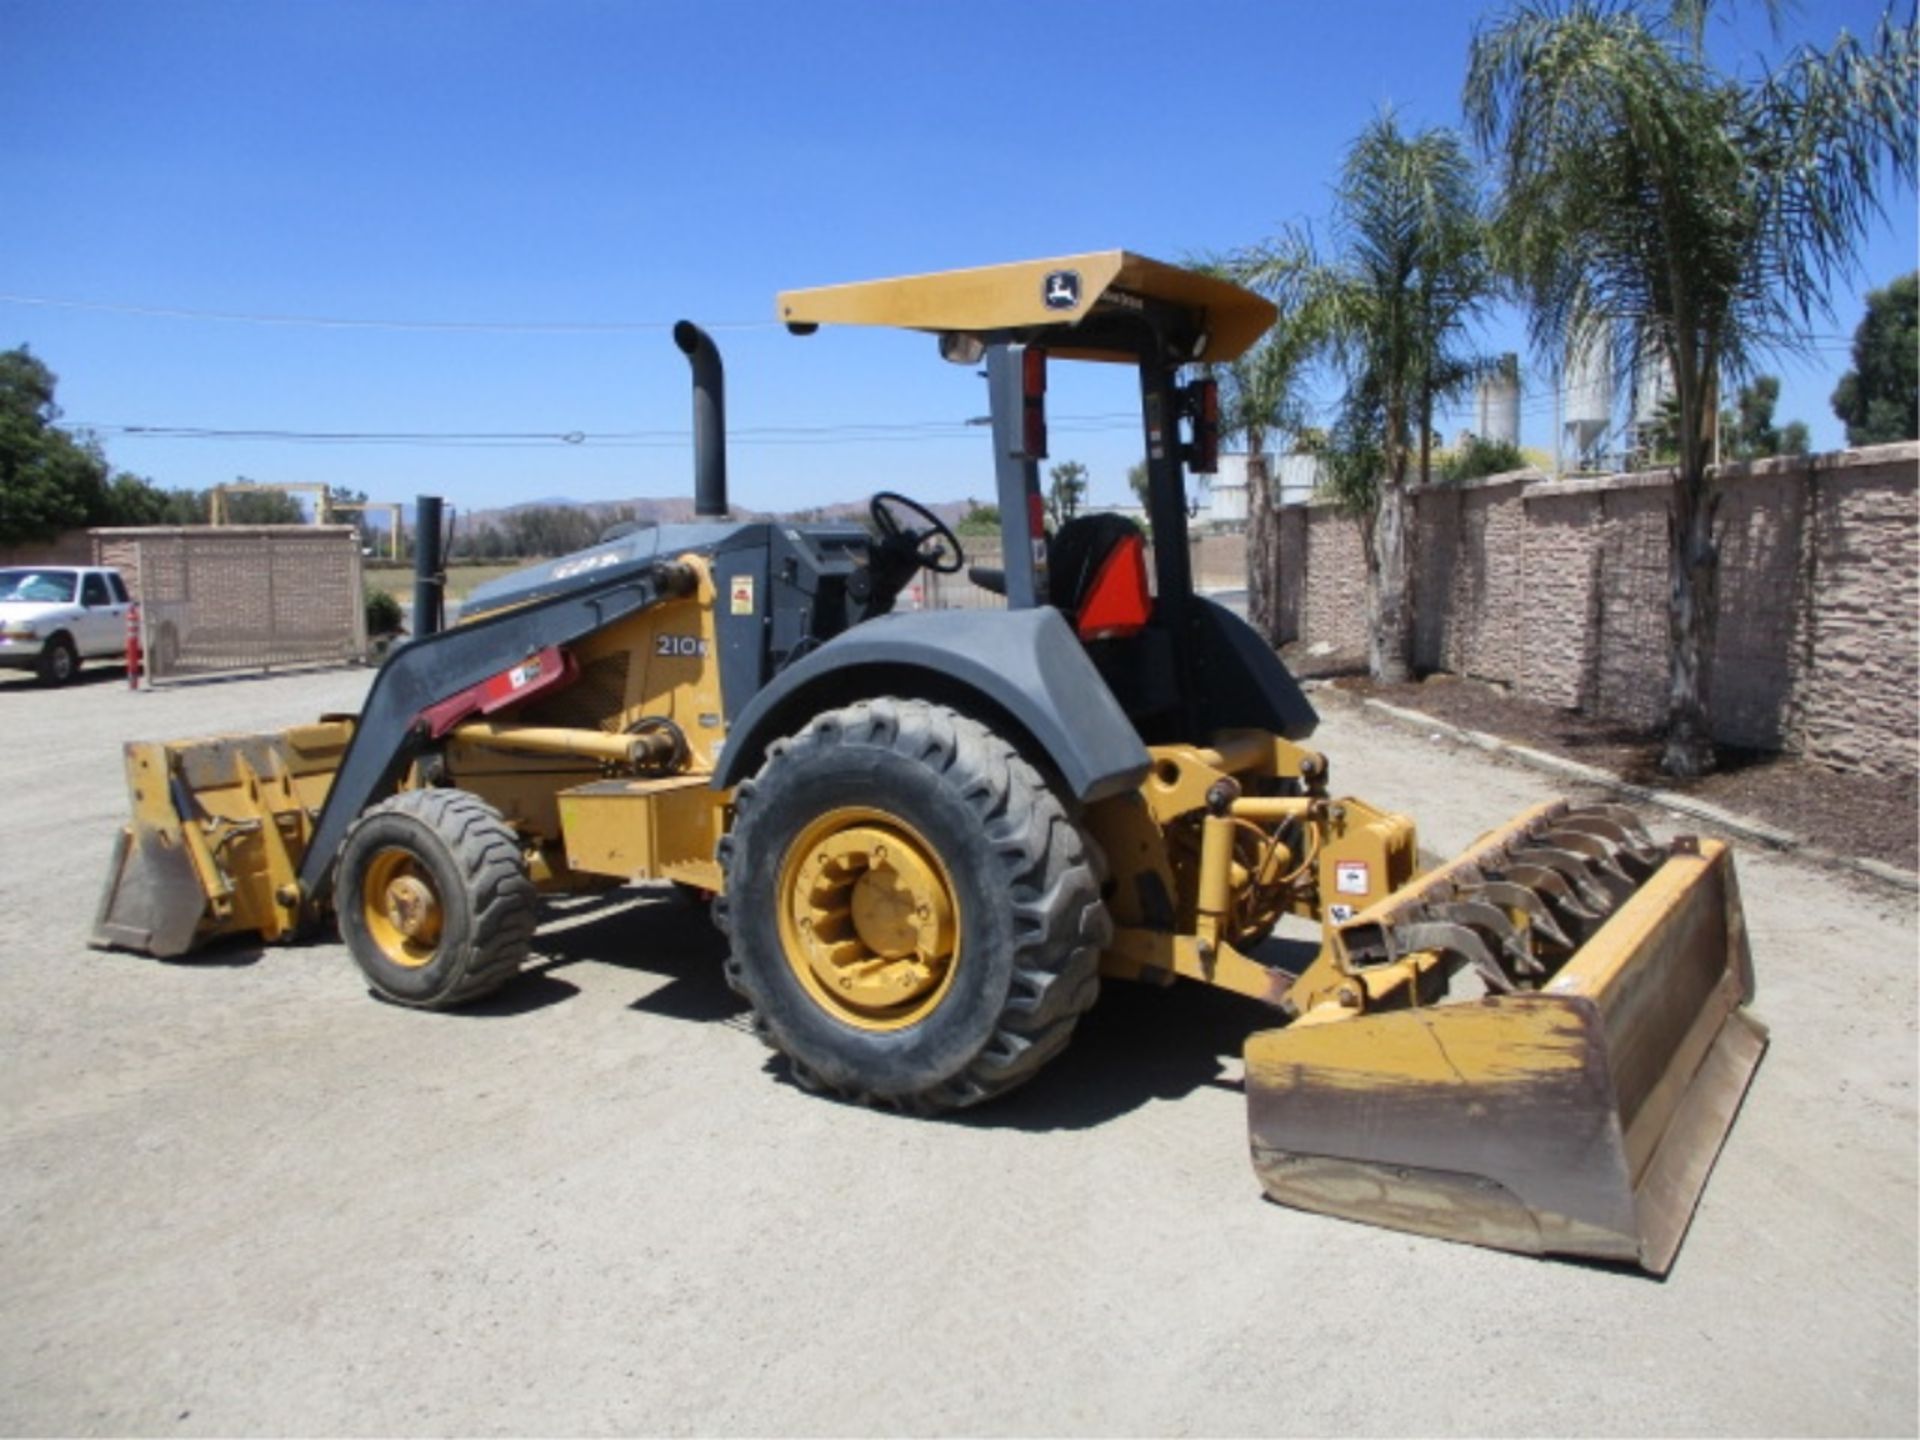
19, 631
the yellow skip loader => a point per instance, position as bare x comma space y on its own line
933, 836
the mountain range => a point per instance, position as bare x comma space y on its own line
678, 509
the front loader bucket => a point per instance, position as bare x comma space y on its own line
218, 831
1581, 1117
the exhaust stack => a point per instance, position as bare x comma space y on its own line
429, 569
709, 420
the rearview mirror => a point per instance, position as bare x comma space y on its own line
957, 347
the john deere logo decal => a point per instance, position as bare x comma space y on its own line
1062, 290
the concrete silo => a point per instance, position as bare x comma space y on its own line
1498, 397
1587, 413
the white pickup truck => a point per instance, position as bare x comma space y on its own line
54, 616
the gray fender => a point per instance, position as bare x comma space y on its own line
1025, 664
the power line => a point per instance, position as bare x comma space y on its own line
846, 433
328, 322
1813, 340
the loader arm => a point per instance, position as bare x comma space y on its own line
438, 667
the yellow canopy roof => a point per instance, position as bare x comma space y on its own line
1057, 294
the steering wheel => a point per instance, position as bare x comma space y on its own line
936, 547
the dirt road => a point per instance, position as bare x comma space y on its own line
239, 1196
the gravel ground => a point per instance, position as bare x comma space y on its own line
238, 1196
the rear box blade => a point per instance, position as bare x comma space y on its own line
1579, 1119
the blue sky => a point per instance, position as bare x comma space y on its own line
535, 167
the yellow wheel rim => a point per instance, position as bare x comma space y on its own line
868, 920
401, 909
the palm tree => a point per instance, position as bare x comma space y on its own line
1409, 276
1260, 397
1686, 216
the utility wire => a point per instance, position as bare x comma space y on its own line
1816, 341
326, 322
852, 433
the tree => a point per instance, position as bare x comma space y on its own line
1260, 399
1747, 431
1479, 457
355, 515
547, 530
134, 500
52, 481
1409, 277
49, 481
980, 520
1140, 484
1659, 442
1066, 488
262, 507
1675, 212
1879, 398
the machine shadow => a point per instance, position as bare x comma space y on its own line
230, 954
1138, 1044
652, 930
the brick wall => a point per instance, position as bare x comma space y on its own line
69, 547
1558, 589
238, 597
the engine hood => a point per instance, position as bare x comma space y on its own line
36, 612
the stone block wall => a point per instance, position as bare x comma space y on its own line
1857, 625
1323, 578
1558, 589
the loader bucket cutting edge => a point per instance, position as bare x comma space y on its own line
1582, 1118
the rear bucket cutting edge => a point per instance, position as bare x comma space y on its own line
1581, 1119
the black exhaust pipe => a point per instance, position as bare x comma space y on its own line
709, 420
429, 568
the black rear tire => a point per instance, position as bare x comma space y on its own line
434, 898
990, 995
59, 661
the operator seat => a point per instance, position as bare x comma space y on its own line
1076, 555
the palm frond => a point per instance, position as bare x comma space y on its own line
1682, 215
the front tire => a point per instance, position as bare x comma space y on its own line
914, 917
434, 898
59, 661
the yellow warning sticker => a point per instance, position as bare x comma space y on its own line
742, 589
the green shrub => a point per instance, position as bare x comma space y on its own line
1479, 457
383, 612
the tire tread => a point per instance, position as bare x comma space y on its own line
486, 852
